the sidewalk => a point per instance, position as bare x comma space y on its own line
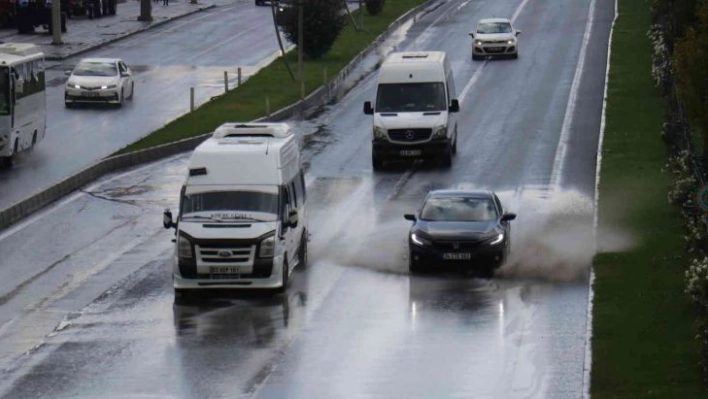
85, 34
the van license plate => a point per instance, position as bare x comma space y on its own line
227, 270
89, 94
457, 256
410, 153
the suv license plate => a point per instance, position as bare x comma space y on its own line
410, 153
457, 256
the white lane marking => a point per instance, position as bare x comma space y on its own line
562, 148
478, 72
591, 294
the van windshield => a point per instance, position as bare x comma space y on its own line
238, 204
411, 97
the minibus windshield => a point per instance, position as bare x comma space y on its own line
411, 97
240, 203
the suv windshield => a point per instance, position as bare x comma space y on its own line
494, 27
411, 97
96, 69
230, 202
458, 209
5, 91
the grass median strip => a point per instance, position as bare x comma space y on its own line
248, 102
643, 323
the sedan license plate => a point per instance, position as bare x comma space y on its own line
228, 270
457, 256
410, 153
89, 94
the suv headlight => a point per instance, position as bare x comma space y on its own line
379, 133
418, 240
184, 248
266, 249
440, 132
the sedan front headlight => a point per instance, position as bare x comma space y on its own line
379, 133
76, 86
108, 87
479, 42
511, 41
184, 248
267, 247
498, 239
418, 240
440, 132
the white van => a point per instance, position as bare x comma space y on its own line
242, 219
414, 116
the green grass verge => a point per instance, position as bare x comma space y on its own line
643, 323
248, 102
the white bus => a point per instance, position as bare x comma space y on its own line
23, 110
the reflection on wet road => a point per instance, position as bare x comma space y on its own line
94, 315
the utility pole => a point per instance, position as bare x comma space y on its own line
145, 11
56, 22
300, 18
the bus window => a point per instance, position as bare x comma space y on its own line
4, 91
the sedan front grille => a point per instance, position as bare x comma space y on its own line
410, 135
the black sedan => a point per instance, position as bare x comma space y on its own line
467, 230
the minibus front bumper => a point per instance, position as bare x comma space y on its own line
267, 273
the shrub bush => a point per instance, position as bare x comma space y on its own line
374, 7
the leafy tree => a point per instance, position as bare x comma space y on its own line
674, 16
323, 21
374, 7
691, 68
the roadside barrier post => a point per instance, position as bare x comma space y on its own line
239, 76
226, 81
191, 99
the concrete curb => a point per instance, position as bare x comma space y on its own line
61, 57
317, 99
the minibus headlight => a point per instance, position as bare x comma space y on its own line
440, 132
267, 247
379, 133
184, 248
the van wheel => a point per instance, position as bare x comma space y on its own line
281, 290
454, 147
302, 252
377, 163
447, 159
34, 138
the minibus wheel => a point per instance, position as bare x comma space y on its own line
282, 289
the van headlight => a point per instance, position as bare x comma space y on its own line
266, 249
440, 132
184, 248
379, 133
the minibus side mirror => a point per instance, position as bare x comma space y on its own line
368, 109
292, 219
454, 106
410, 217
507, 217
167, 219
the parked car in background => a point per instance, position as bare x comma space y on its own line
467, 230
99, 80
495, 37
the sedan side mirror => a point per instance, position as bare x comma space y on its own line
518, 32
454, 106
124, 74
410, 217
368, 109
292, 219
508, 217
472, 34
167, 219
67, 73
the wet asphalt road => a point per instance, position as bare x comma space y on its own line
92, 314
167, 60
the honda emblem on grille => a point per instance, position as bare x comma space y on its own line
409, 135
456, 245
224, 254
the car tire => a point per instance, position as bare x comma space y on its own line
284, 287
454, 146
515, 56
413, 266
476, 57
377, 163
68, 104
183, 296
447, 159
486, 272
120, 100
132, 91
302, 252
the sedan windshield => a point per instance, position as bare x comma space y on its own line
230, 201
458, 209
411, 97
494, 27
96, 69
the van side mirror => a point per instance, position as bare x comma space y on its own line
507, 217
518, 32
292, 218
454, 105
167, 219
410, 217
368, 109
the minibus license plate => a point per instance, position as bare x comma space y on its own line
89, 94
457, 256
410, 153
229, 270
